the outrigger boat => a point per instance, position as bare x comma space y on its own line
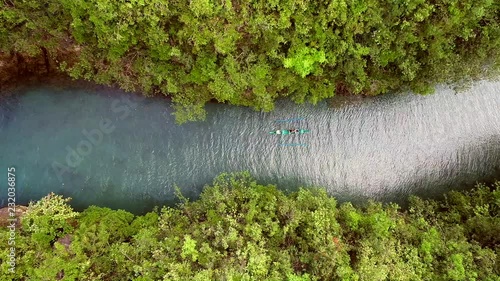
289, 132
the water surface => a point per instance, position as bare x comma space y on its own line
383, 148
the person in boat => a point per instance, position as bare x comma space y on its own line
293, 131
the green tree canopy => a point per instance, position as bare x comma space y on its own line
252, 52
241, 230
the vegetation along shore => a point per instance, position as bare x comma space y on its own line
241, 230
252, 52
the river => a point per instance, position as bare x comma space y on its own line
109, 148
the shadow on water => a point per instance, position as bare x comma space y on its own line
7, 109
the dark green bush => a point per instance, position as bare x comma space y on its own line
252, 52
240, 230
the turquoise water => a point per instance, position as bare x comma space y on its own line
109, 148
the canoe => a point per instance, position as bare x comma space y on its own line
288, 132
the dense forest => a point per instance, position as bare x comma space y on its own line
252, 52
241, 230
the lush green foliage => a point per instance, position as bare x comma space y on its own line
240, 230
252, 52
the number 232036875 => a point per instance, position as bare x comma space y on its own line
11, 190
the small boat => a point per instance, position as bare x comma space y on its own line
289, 132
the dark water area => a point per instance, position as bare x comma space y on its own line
108, 148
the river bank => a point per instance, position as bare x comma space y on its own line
16, 71
254, 55
241, 229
